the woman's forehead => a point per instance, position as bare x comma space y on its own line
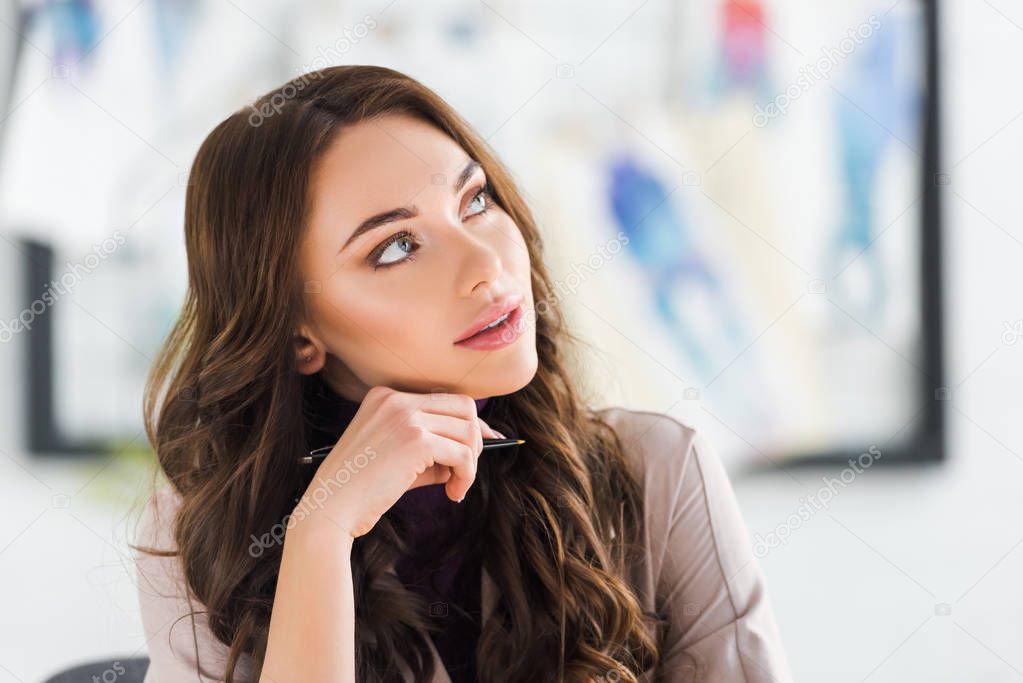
393, 148
380, 164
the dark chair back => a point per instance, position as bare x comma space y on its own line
125, 670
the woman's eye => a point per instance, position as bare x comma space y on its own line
398, 249
482, 199
402, 246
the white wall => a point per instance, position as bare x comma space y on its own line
855, 589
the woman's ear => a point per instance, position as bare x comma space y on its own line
310, 354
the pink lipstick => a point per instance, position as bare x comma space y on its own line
501, 330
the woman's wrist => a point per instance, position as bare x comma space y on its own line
319, 531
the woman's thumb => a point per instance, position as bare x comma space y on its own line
436, 474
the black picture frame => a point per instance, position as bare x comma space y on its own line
927, 444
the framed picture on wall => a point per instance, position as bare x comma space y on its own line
774, 218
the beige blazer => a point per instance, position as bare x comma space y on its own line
698, 570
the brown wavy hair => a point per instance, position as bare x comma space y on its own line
562, 517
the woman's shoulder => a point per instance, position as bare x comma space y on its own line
155, 526
660, 447
179, 641
699, 569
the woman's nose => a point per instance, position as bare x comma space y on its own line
476, 256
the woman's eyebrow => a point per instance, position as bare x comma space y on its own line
406, 212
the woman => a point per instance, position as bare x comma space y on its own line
347, 235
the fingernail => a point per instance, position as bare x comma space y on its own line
500, 435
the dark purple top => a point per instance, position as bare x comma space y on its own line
448, 582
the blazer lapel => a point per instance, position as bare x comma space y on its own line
488, 595
440, 674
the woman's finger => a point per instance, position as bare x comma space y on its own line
459, 457
464, 431
488, 431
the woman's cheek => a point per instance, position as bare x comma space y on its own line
515, 244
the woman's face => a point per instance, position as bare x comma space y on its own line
387, 301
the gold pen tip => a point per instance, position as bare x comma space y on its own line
520, 441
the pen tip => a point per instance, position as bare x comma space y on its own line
520, 441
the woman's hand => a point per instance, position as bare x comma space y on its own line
397, 441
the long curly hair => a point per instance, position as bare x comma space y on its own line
561, 517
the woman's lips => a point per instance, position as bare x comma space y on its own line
495, 311
498, 336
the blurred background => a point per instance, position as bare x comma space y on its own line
788, 224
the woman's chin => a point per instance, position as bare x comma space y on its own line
507, 378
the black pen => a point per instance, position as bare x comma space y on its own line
319, 454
